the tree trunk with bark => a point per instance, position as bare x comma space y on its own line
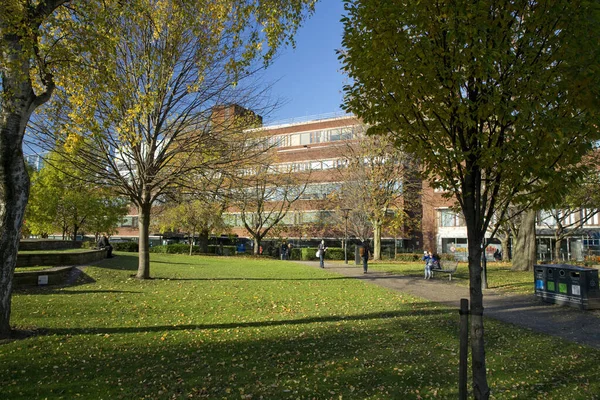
557, 248
17, 104
203, 240
524, 251
504, 243
377, 241
14, 191
191, 239
475, 235
144, 250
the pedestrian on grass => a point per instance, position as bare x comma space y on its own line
365, 253
321, 251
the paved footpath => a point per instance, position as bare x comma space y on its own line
527, 311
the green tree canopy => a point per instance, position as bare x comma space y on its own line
497, 98
61, 200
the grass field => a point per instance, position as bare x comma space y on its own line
237, 328
499, 275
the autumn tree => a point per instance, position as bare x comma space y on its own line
82, 47
375, 180
493, 96
198, 209
62, 201
158, 120
264, 195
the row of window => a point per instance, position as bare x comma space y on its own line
318, 136
291, 218
313, 191
449, 218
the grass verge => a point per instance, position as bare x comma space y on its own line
231, 328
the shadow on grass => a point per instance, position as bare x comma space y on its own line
162, 278
121, 262
77, 277
525, 285
238, 325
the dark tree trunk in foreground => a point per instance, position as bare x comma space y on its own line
18, 103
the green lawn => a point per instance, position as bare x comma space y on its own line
499, 275
240, 328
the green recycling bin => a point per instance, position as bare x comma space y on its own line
567, 285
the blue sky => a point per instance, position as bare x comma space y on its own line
308, 77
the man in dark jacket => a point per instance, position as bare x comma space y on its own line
103, 243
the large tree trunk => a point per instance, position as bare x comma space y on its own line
524, 250
257, 241
377, 241
203, 240
504, 243
481, 390
557, 248
17, 104
14, 191
144, 238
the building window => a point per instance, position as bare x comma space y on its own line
449, 218
592, 220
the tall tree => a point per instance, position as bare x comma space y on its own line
158, 119
375, 180
493, 96
62, 201
83, 46
264, 196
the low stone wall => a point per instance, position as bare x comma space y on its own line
55, 258
54, 276
48, 244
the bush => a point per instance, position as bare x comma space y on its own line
409, 257
296, 254
175, 248
183, 248
308, 253
88, 244
131, 247
337, 253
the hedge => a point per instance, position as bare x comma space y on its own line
309, 253
182, 248
131, 247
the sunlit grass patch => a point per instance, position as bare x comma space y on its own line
499, 275
218, 327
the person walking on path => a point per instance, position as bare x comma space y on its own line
321, 251
365, 255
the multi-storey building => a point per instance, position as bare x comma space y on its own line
318, 145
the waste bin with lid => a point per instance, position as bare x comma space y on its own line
567, 285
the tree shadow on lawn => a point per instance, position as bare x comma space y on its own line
121, 262
77, 277
390, 361
253, 279
255, 324
355, 365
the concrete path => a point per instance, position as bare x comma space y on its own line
527, 311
